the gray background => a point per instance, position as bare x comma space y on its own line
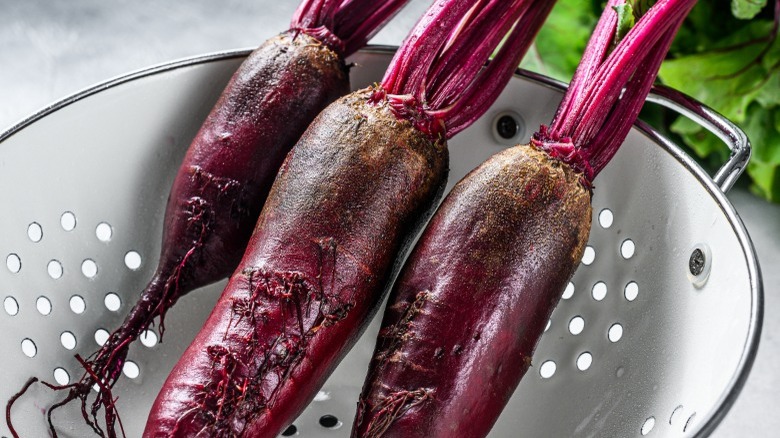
50, 49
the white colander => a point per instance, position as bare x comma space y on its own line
640, 344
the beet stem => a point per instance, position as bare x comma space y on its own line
607, 141
593, 119
344, 25
312, 14
356, 21
411, 64
614, 73
460, 62
583, 75
437, 80
476, 100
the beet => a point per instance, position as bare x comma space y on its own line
227, 172
476, 293
462, 320
321, 253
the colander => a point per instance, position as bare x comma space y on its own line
654, 336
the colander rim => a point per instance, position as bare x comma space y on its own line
737, 382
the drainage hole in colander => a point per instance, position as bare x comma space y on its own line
584, 361
568, 292
77, 304
35, 232
547, 369
11, 306
149, 338
89, 268
54, 268
631, 291
330, 422
103, 232
290, 431
133, 260
112, 301
606, 218
68, 340
68, 221
28, 347
615, 332
627, 249
131, 369
576, 325
648, 426
588, 256
508, 127
599, 291
689, 422
677, 409
101, 336
13, 263
43, 305
61, 376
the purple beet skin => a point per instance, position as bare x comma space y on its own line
474, 297
314, 271
227, 172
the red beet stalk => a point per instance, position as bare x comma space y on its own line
327, 240
228, 170
474, 297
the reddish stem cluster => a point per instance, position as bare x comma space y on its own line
438, 78
344, 25
597, 112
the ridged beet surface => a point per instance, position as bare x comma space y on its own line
474, 297
227, 173
345, 200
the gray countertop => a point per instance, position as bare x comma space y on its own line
51, 49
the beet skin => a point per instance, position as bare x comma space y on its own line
218, 193
233, 160
474, 297
346, 198
227, 172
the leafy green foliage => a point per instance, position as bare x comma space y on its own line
746, 9
562, 39
719, 57
738, 75
640, 7
625, 20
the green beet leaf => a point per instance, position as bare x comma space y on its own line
746, 9
742, 87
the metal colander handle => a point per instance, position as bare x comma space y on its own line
734, 137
